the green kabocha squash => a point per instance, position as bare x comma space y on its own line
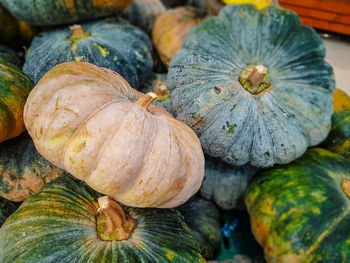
301, 212
23, 171
253, 85
109, 43
225, 184
338, 140
202, 217
14, 90
9, 55
6, 209
57, 12
68, 222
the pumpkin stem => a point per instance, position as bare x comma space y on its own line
255, 79
146, 100
345, 185
78, 33
161, 91
113, 223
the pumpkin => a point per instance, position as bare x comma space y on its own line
171, 27
57, 12
225, 184
23, 171
157, 83
9, 55
253, 85
338, 140
69, 222
143, 13
90, 122
110, 43
300, 212
6, 209
202, 217
14, 89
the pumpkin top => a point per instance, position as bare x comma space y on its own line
253, 85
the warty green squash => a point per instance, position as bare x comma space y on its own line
57, 12
300, 212
253, 85
14, 90
68, 222
338, 140
23, 171
109, 43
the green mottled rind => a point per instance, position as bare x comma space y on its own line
275, 126
6, 209
10, 56
14, 90
299, 212
59, 225
23, 170
57, 12
112, 44
338, 140
225, 184
202, 217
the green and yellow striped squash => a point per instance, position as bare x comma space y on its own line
301, 212
59, 224
14, 90
338, 140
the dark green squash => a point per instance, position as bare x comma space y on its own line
6, 209
59, 224
10, 56
253, 85
109, 43
202, 217
57, 12
338, 140
225, 184
23, 171
301, 212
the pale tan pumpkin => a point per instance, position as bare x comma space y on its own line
84, 119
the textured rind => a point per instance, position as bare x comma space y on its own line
6, 209
225, 184
299, 212
23, 171
57, 12
202, 217
273, 127
113, 44
59, 225
338, 140
10, 56
14, 90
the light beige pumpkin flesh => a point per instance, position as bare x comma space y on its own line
84, 119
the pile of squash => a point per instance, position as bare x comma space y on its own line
127, 127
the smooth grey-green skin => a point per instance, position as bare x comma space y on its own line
203, 219
127, 50
151, 83
233, 124
225, 184
10, 56
58, 12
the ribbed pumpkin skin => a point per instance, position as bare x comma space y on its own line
59, 225
338, 140
202, 217
10, 56
23, 171
225, 184
275, 126
299, 212
6, 209
113, 44
14, 90
56, 12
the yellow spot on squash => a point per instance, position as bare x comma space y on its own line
115, 58
104, 51
170, 255
74, 47
78, 59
